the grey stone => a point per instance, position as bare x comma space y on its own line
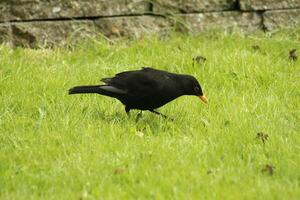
189, 6
5, 33
281, 18
49, 33
45, 9
268, 4
134, 26
4, 10
245, 21
46, 34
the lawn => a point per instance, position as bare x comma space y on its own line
244, 144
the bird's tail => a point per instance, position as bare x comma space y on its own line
85, 89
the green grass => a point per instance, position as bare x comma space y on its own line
56, 146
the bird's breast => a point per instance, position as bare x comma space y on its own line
146, 102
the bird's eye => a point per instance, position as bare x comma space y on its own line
196, 89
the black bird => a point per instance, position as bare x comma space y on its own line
145, 89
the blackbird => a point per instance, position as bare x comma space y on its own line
145, 89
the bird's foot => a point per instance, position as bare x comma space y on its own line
139, 115
127, 111
164, 116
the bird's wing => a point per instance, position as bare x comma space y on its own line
145, 82
110, 80
126, 73
113, 89
106, 80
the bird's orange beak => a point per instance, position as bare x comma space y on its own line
203, 98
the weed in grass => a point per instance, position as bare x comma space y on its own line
262, 137
119, 171
255, 47
199, 60
268, 169
293, 55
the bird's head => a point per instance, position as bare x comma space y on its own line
192, 87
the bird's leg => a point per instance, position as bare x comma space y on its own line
158, 113
127, 111
138, 116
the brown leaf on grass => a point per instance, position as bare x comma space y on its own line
199, 60
209, 172
255, 47
119, 171
269, 169
293, 55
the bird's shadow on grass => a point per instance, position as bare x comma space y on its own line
108, 117
153, 123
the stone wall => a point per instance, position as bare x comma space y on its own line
43, 23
